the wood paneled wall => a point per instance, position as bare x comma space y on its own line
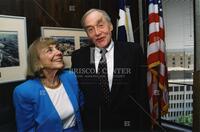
53, 13
57, 13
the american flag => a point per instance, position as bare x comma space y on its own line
156, 60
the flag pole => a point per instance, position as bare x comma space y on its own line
159, 104
99, 4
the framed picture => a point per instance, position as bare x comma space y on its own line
13, 48
69, 38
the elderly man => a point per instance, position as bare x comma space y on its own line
112, 78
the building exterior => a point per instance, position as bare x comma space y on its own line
180, 58
180, 100
180, 68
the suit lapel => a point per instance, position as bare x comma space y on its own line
45, 104
119, 90
118, 63
69, 91
90, 57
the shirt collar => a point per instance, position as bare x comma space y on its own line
111, 45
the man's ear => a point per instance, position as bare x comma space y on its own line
111, 27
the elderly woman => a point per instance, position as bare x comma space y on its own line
50, 100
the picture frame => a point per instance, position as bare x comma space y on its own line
70, 38
13, 48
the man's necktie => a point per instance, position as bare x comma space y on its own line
103, 77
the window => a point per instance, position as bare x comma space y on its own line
181, 88
176, 88
180, 45
188, 88
170, 88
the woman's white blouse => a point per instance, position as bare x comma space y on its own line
63, 105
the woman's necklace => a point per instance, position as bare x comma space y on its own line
51, 84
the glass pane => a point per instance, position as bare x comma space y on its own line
179, 39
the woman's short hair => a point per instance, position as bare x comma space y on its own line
34, 68
107, 17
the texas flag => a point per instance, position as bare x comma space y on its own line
124, 24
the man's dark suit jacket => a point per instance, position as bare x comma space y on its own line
129, 107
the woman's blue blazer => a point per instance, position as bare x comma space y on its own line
36, 112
